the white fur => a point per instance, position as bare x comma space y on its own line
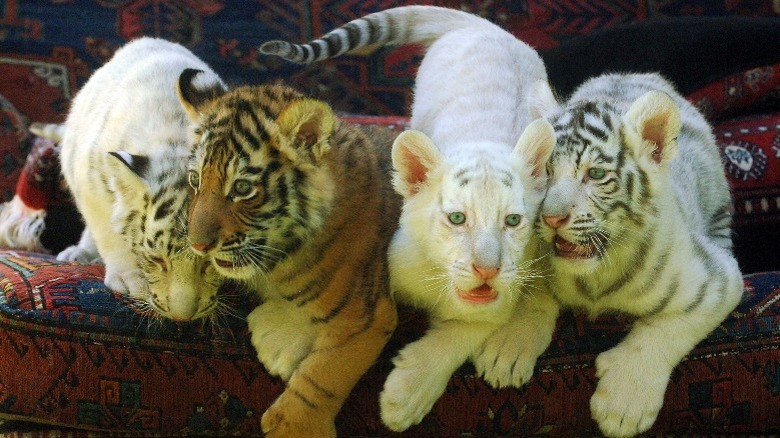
130, 105
682, 278
467, 116
469, 111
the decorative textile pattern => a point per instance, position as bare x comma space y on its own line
756, 89
79, 355
54, 44
750, 148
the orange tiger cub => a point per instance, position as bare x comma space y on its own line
298, 205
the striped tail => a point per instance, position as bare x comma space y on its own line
48, 130
396, 26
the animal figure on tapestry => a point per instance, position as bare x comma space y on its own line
297, 205
124, 155
465, 250
637, 215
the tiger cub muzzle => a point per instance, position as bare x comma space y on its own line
212, 231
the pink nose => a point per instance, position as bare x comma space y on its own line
555, 221
485, 273
202, 247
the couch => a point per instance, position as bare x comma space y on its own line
77, 358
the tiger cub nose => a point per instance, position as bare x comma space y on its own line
485, 273
202, 247
555, 222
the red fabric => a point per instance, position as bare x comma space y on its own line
76, 354
40, 185
751, 90
750, 148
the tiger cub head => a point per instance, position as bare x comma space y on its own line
607, 173
260, 186
467, 221
153, 193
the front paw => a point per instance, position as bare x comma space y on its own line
629, 395
78, 254
286, 418
281, 345
505, 360
410, 391
130, 282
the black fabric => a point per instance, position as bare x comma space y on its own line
689, 51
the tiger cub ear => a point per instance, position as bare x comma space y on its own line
653, 120
307, 125
535, 146
197, 88
541, 99
414, 157
137, 164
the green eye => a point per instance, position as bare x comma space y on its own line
513, 220
596, 173
242, 187
457, 218
194, 179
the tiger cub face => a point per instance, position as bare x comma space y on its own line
605, 179
467, 222
182, 285
259, 193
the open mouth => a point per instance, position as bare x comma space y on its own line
229, 264
479, 295
571, 250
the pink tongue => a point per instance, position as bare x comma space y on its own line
481, 291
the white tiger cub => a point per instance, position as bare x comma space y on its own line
638, 217
124, 155
464, 248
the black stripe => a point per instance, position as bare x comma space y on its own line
373, 29
164, 210
320, 389
336, 310
671, 291
699, 297
305, 400
353, 34
334, 43
316, 50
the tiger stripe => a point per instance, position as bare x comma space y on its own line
659, 218
310, 236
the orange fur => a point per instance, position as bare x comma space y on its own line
335, 282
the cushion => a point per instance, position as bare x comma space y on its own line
76, 354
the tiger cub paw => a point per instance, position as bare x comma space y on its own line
410, 392
281, 342
130, 282
629, 394
75, 253
505, 360
285, 418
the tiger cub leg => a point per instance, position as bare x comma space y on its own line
423, 368
508, 356
634, 374
344, 349
122, 273
282, 336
